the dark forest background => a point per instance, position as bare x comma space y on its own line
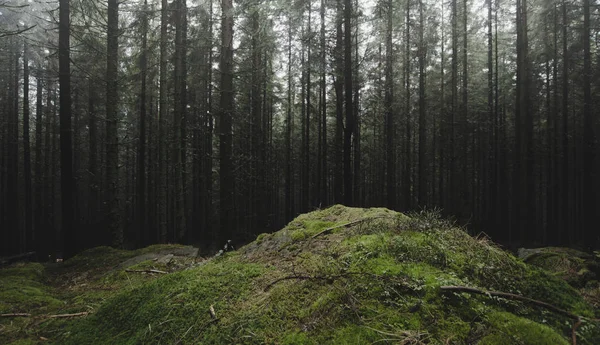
128, 123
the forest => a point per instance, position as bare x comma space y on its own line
130, 123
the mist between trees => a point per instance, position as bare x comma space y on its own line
139, 122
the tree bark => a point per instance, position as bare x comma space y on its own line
115, 233
142, 235
28, 245
66, 147
225, 125
390, 125
349, 108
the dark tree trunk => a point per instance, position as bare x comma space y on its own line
324, 172
142, 234
28, 245
225, 126
390, 125
288, 132
66, 147
39, 178
349, 108
115, 233
162, 132
338, 182
423, 160
589, 140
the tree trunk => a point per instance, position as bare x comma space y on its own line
589, 139
225, 125
142, 234
66, 148
324, 172
162, 123
39, 178
390, 125
115, 233
348, 86
28, 245
423, 160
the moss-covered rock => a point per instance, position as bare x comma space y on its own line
335, 276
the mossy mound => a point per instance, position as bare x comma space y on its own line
575, 267
342, 276
345, 276
80, 285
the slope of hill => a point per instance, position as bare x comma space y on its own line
335, 276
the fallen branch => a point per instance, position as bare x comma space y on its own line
60, 316
15, 315
346, 225
147, 271
513, 297
57, 316
524, 299
574, 331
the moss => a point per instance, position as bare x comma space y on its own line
299, 338
374, 281
261, 238
355, 335
163, 310
22, 290
511, 329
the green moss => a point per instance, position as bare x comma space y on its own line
355, 335
511, 329
22, 290
261, 238
375, 281
297, 339
163, 310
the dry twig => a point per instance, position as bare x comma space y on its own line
147, 271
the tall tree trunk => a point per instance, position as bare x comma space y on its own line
39, 178
455, 188
348, 87
162, 123
225, 126
306, 162
589, 139
93, 166
407, 180
324, 172
179, 228
27, 154
288, 131
112, 140
142, 234
66, 147
423, 160
338, 181
390, 125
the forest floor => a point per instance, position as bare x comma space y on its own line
334, 276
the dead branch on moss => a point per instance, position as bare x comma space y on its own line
56, 316
513, 297
345, 225
147, 271
574, 331
211, 311
62, 316
539, 303
15, 315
